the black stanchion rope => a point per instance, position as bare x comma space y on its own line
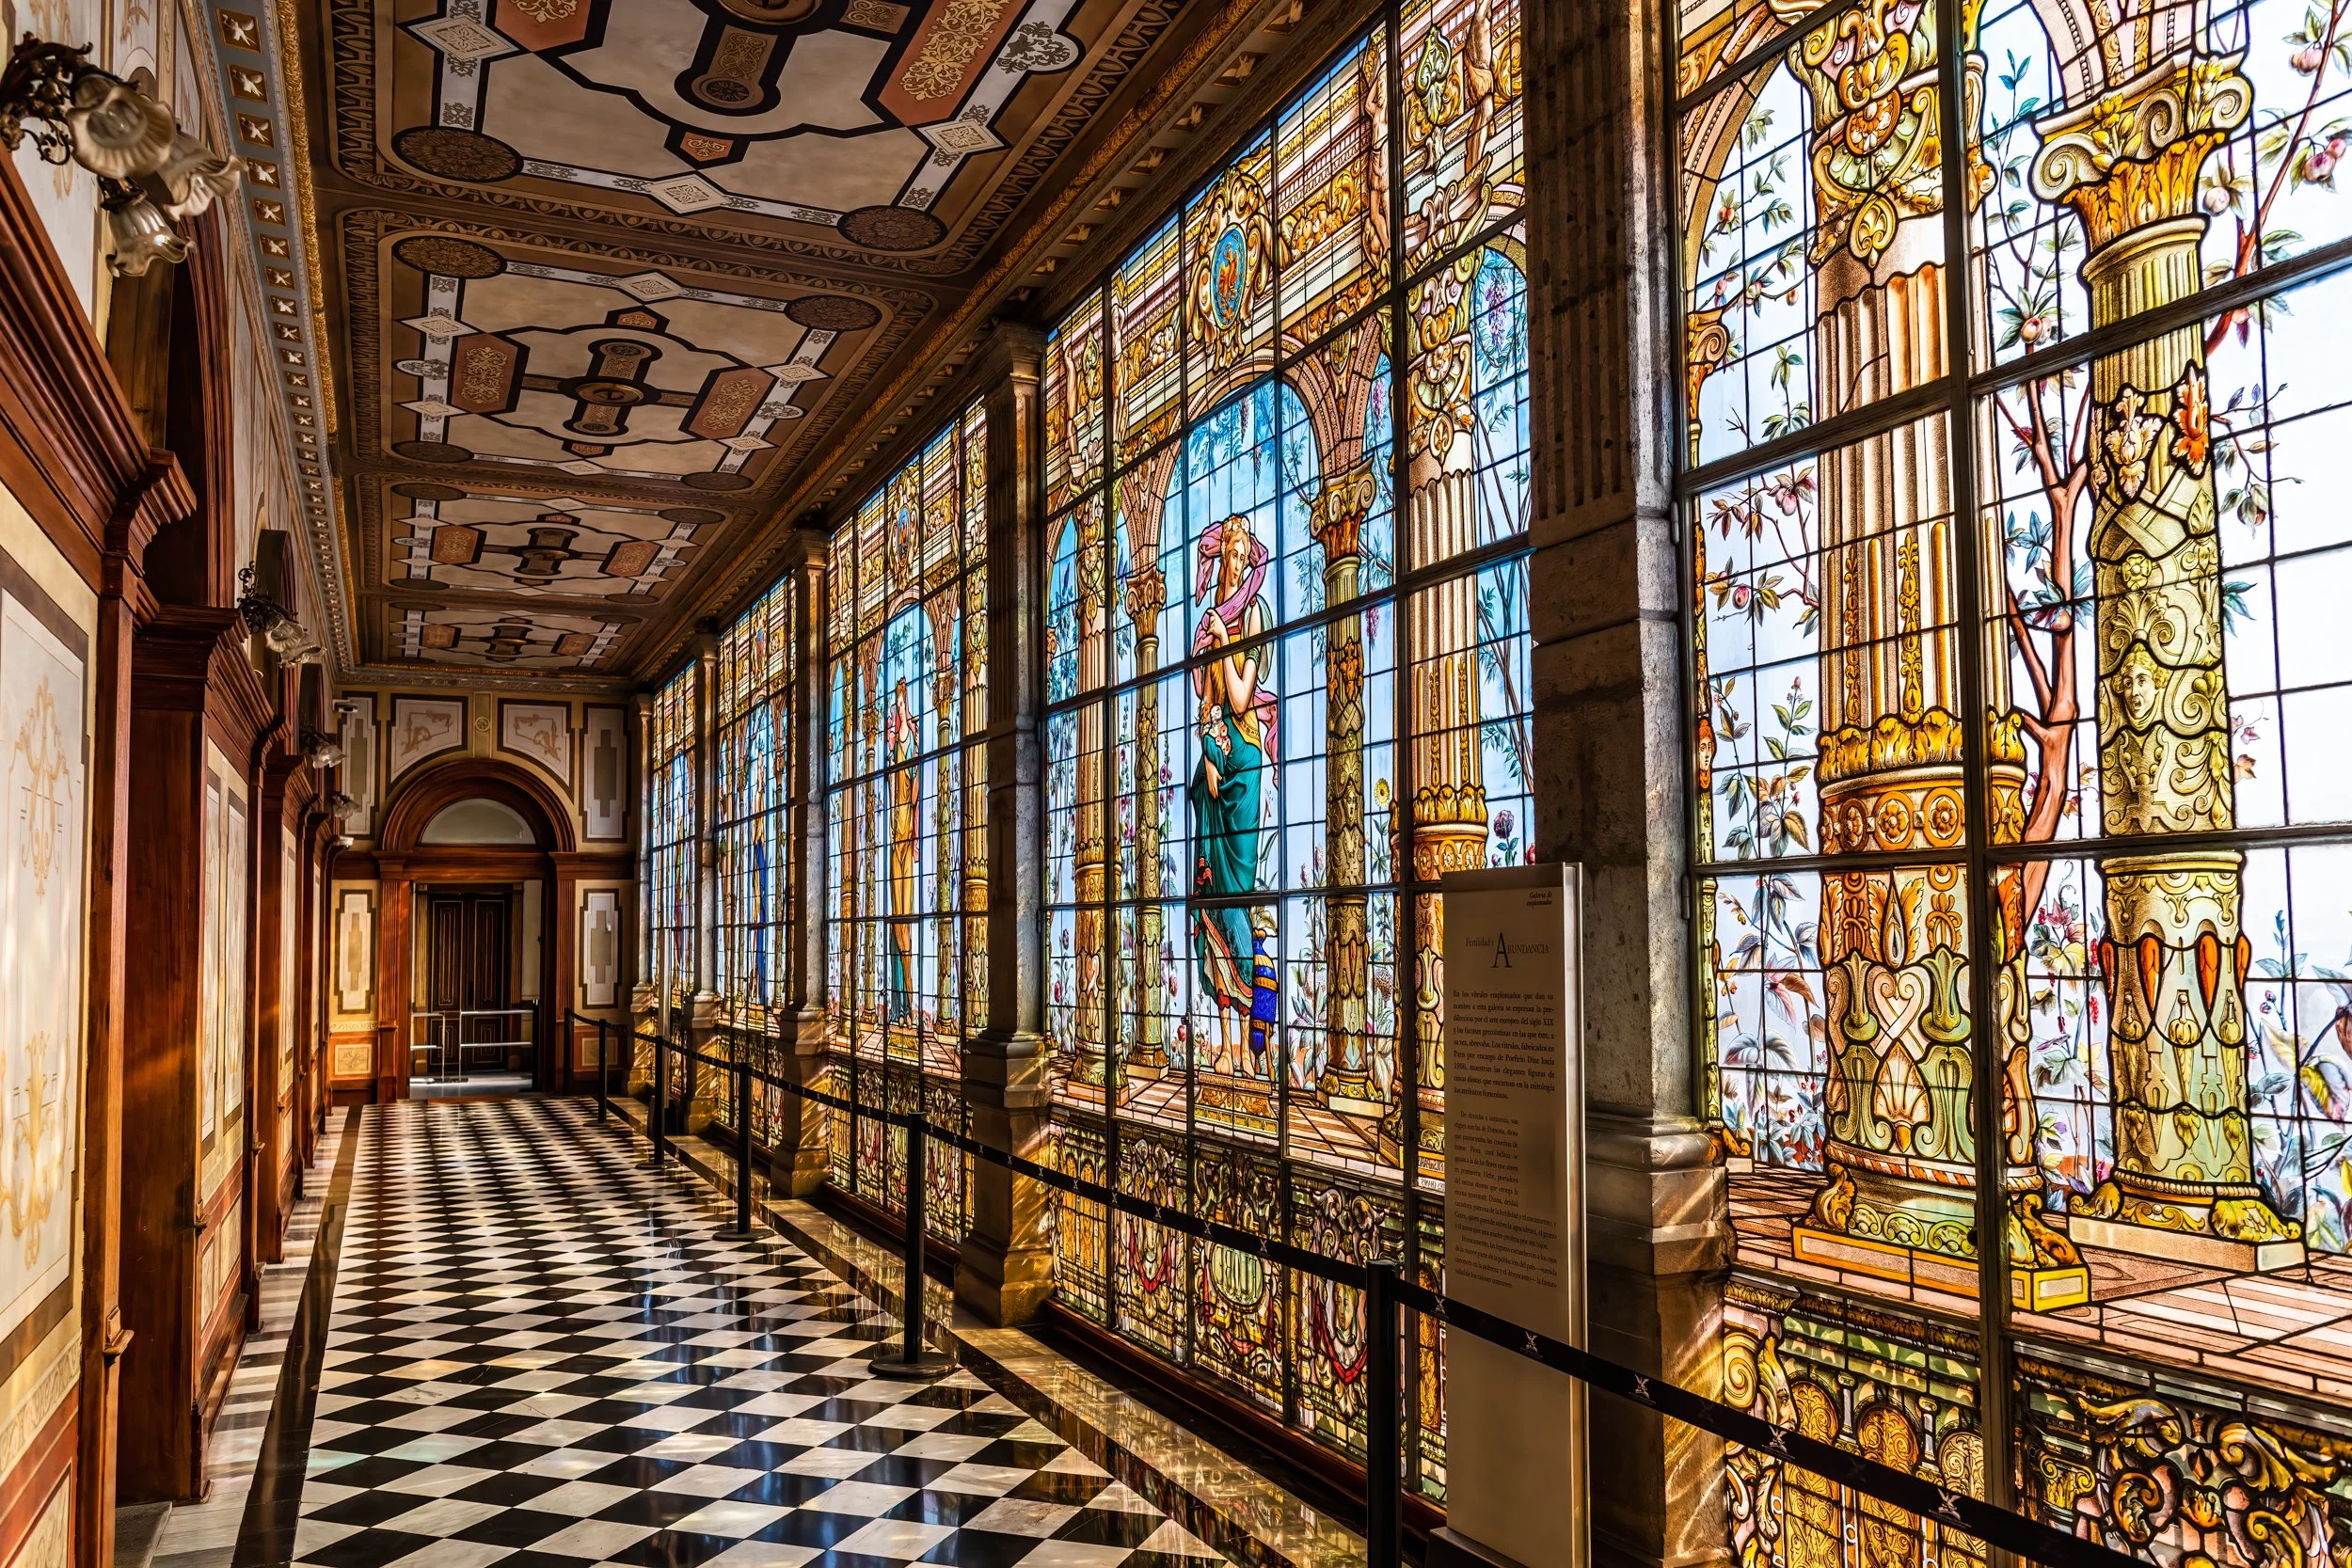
2016, 1532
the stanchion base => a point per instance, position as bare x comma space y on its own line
731, 1234
927, 1365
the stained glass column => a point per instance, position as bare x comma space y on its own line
1093, 861
706, 1009
1339, 522
2174, 957
1449, 805
1146, 1053
1005, 1268
1901, 1199
1605, 608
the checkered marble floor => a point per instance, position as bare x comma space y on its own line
540, 1357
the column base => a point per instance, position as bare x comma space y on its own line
2236, 1233
1003, 1288
2034, 1289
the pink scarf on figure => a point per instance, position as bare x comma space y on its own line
1210, 557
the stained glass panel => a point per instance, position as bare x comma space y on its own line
907, 807
2148, 914
1229, 261
1147, 303
672, 814
751, 729
1257, 747
1331, 153
2213, 140
1464, 123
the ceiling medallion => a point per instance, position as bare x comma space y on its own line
417, 490
772, 13
456, 154
431, 452
693, 517
717, 482
438, 254
895, 228
832, 313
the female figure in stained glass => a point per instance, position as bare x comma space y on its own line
1237, 725
899, 738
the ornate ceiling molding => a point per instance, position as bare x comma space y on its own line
584, 385
247, 48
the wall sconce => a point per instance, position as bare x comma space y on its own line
270, 621
323, 750
339, 805
345, 841
150, 174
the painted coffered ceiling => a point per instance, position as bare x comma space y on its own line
606, 288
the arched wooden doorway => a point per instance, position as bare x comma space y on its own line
466, 826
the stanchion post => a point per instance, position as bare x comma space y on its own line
910, 1359
742, 1230
1383, 1392
661, 1100
604, 1097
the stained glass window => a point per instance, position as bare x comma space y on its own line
1287, 689
671, 914
908, 812
751, 724
750, 728
2016, 689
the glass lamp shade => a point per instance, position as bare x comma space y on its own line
323, 753
118, 131
193, 177
141, 235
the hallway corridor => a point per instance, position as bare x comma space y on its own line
538, 1356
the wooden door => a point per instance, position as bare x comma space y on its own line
470, 960
488, 965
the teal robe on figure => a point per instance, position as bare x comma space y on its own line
1226, 822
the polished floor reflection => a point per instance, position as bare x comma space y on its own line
539, 1355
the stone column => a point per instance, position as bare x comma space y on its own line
1610, 792
1005, 1268
2174, 955
648, 1003
800, 1153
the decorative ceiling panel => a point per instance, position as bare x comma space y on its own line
583, 363
613, 283
855, 129
502, 640
551, 548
